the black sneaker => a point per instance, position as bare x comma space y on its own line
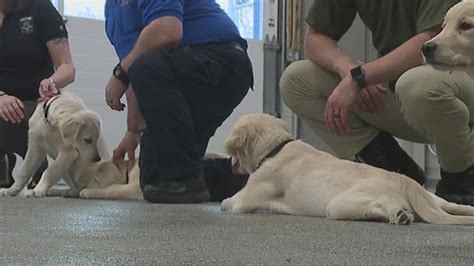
384, 152
193, 190
220, 180
457, 187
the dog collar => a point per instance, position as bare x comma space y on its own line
47, 105
274, 152
127, 177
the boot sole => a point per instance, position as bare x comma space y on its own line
195, 197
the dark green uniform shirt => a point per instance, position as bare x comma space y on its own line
392, 22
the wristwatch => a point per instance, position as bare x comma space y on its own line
121, 75
358, 75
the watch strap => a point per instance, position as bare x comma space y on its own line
120, 74
358, 75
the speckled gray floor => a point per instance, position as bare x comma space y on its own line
73, 231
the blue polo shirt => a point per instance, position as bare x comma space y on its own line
203, 21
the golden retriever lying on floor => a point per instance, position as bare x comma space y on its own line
104, 188
126, 186
292, 177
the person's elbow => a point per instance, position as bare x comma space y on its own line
71, 72
170, 29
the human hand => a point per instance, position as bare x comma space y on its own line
47, 90
371, 98
338, 104
113, 94
11, 109
128, 145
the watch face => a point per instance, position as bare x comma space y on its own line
357, 72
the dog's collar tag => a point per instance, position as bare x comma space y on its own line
274, 152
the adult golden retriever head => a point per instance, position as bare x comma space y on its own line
454, 45
252, 137
81, 131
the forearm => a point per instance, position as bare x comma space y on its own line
163, 32
324, 51
395, 63
135, 121
64, 75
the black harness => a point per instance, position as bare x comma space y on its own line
274, 152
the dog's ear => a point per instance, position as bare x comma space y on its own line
70, 129
238, 140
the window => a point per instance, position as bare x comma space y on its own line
55, 3
92, 9
247, 14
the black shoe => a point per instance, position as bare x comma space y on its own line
220, 180
457, 187
384, 152
193, 190
7, 163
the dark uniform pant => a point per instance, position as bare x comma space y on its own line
14, 140
184, 94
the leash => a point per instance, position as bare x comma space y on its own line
274, 152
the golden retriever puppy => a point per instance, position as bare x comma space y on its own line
64, 129
291, 177
107, 186
454, 45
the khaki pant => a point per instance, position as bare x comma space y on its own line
431, 105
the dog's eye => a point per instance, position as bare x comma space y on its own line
465, 26
88, 141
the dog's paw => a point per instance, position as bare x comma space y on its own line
9, 192
36, 193
230, 205
87, 194
226, 205
402, 217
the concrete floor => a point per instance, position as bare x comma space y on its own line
74, 231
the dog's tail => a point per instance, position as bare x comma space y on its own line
435, 210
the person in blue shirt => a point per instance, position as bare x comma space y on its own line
184, 68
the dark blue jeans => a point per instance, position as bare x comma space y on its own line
184, 94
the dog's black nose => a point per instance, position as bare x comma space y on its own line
96, 158
428, 49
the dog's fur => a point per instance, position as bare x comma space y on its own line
127, 186
130, 190
301, 180
71, 136
455, 43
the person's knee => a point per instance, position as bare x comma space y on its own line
420, 88
294, 82
146, 65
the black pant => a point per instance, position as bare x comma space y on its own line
184, 94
